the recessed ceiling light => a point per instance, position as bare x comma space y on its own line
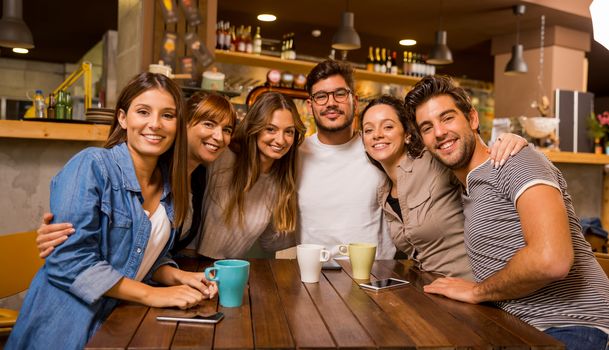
316, 33
408, 42
266, 17
20, 50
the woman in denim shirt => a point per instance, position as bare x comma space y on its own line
123, 201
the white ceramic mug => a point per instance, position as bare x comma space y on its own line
310, 257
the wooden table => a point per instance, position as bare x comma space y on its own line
280, 312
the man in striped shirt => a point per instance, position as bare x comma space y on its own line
522, 236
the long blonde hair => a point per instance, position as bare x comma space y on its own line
246, 170
175, 157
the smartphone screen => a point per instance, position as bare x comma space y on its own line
215, 318
384, 284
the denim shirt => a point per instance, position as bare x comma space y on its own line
98, 192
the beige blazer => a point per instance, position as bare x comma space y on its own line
432, 231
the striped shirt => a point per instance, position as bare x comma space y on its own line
493, 235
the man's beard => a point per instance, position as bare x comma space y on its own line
466, 151
334, 128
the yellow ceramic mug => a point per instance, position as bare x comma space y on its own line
361, 256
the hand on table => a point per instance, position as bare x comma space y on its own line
51, 235
506, 145
198, 281
182, 296
454, 288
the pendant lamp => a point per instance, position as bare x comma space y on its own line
346, 38
516, 64
14, 33
440, 53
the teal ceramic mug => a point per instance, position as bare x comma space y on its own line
231, 277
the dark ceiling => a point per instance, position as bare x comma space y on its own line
66, 29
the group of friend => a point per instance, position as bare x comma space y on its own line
497, 223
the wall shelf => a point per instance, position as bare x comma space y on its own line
53, 130
577, 158
303, 67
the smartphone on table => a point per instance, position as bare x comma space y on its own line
214, 318
383, 284
331, 265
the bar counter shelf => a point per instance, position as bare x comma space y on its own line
71, 131
298, 66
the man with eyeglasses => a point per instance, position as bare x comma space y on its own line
337, 184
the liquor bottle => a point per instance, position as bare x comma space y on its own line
227, 36
394, 63
292, 47
388, 61
370, 60
377, 60
383, 60
257, 42
241, 39
51, 107
249, 46
219, 35
283, 41
233, 39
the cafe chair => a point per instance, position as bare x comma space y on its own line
603, 260
19, 262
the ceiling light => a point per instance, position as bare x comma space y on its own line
13, 30
346, 38
266, 17
440, 53
516, 64
408, 42
20, 50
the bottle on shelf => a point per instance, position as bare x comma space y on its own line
241, 39
39, 106
292, 47
60, 105
220, 35
382, 64
377, 60
226, 36
233, 39
370, 60
388, 62
68, 99
394, 63
51, 107
249, 46
257, 42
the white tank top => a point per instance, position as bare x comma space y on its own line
159, 235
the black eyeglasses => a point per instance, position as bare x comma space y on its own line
322, 97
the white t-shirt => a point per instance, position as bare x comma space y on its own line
159, 235
337, 197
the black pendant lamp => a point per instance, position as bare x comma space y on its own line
440, 53
14, 33
346, 38
516, 64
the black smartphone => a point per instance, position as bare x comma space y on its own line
215, 318
384, 284
331, 265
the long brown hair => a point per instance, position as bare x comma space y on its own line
247, 164
175, 157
